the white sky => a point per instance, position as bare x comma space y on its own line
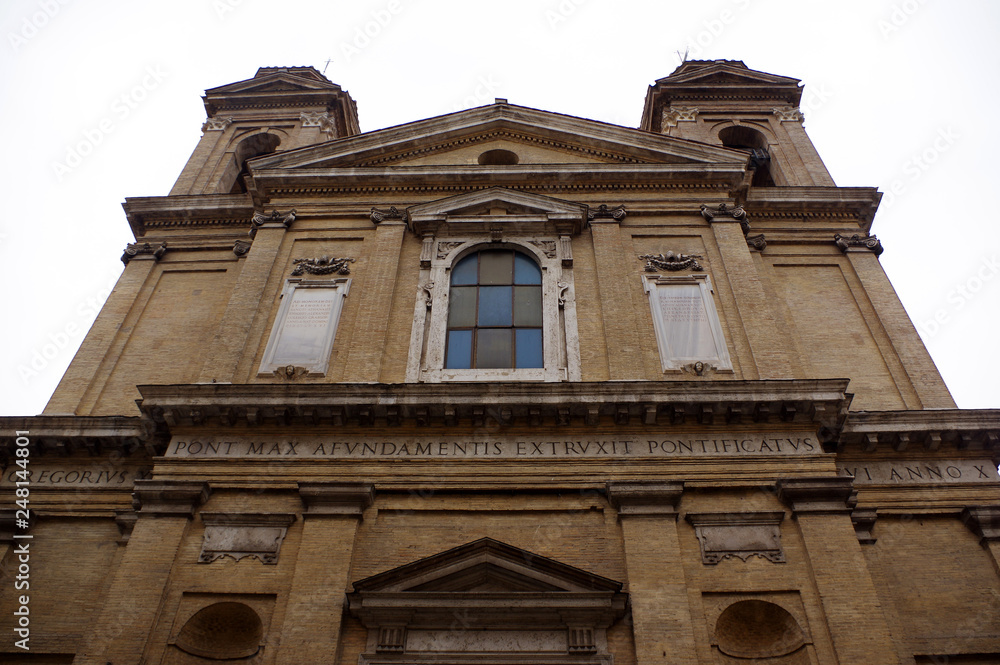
886, 81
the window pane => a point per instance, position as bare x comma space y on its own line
464, 271
462, 307
494, 306
496, 267
459, 354
493, 348
527, 305
529, 347
526, 271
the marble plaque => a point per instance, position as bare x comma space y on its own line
305, 326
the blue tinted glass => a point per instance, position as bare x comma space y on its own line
529, 347
459, 354
464, 271
493, 348
494, 306
526, 271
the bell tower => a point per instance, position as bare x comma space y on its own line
726, 103
280, 108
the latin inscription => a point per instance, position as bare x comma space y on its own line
455, 448
920, 472
81, 476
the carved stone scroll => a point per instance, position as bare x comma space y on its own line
133, 250
604, 212
859, 241
671, 261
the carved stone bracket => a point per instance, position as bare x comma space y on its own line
699, 368
546, 247
757, 242
604, 212
133, 250
834, 494
428, 289
566, 249
336, 498
217, 124
984, 521
321, 120
260, 219
858, 241
324, 265
563, 288
788, 114
378, 216
742, 535
864, 521
671, 261
723, 213
645, 497
676, 114
241, 247
241, 535
176, 498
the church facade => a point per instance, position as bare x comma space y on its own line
508, 387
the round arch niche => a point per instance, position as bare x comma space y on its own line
758, 629
498, 157
750, 140
223, 631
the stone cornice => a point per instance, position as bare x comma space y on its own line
965, 429
858, 203
332, 498
815, 403
818, 495
645, 497
174, 498
149, 212
66, 435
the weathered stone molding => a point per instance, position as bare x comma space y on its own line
671, 261
737, 534
645, 497
178, 498
241, 535
330, 498
858, 241
984, 521
144, 250
378, 216
818, 495
673, 115
217, 124
324, 265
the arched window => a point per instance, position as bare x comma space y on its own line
495, 312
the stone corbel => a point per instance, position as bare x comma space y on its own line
427, 250
566, 251
834, 494
177, 498
260, 220
336, 498
143, 250
723, 213
645, 497
858, 241
984, 521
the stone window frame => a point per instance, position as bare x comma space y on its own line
669, 361
560, 341
341, 287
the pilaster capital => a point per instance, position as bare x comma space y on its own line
645, 497
858, 242
336, 498
724, 213
984, 521
605, 213
834, 494
169, 497
274, 220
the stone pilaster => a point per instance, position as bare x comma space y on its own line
231, 337
822, 508
71, 395
364, 364
985, 523
770, 361
623, 343
311, 630
658, 591
140, 581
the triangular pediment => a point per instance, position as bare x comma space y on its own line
486, 566
498, 207
722, 72
276, 82
537, 137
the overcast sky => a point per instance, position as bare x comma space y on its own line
102, 100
